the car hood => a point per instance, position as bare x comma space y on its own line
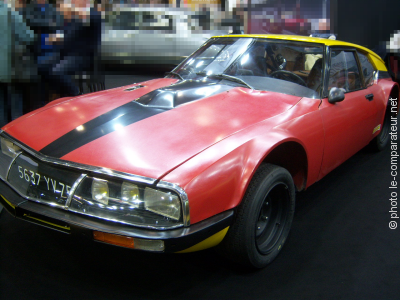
147, 129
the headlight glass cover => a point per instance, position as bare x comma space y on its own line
106, 197
8, 152
127, 202
8, 148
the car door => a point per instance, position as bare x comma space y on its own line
348, 124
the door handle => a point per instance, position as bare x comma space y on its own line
370, 97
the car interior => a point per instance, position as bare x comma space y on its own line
302, 65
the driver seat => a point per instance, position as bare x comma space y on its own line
314, 79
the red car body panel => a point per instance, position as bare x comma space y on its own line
53, 121
218, 141
209, 177
192, 146
138, 149
348, 126
315, 124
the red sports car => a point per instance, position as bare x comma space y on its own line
213, 154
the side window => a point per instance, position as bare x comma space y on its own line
367, 69
344, 71
123, 20
156, 21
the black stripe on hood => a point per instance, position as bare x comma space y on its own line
148, 105
121, 116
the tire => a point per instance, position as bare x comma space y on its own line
262, 220
382, 139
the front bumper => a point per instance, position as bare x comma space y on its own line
198, 236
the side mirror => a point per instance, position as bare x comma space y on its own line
335, 95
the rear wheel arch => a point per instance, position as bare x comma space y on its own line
379, 142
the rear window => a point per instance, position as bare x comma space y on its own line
344, 71
367, 69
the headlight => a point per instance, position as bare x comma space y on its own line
165, 204
106, 197
8, 152
8, 148
130, 193
100, 190
126, 202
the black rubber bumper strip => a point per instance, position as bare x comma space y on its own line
80, 225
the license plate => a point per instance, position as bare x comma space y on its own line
36, 179
40, 181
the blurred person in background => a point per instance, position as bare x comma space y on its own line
44, 19
14, 40
389, 51
235, 20
77, 47
204, 17
26, 79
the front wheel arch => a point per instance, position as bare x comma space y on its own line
263, 219
291, 156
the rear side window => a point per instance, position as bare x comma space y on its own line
123, 20
344, 71
157, 20
367, 69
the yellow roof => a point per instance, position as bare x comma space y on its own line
377, 60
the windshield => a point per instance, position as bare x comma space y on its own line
264, 64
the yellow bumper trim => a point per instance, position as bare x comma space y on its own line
208, 242
49, 223
8, 202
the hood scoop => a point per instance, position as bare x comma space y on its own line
181, 93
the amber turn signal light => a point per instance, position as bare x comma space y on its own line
114, 239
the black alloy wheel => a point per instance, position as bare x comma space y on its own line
382, 139
263, 218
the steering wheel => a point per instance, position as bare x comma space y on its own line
286, 74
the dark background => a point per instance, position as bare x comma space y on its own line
340, 247
364, 22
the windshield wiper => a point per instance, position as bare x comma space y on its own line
234, 79
176, 74
228, 77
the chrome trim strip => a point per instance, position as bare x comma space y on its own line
80, 167
382, 75
325, 75
83, 215
9, 167
121, 229
184, 200
73, 189
143, 226
104, 171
